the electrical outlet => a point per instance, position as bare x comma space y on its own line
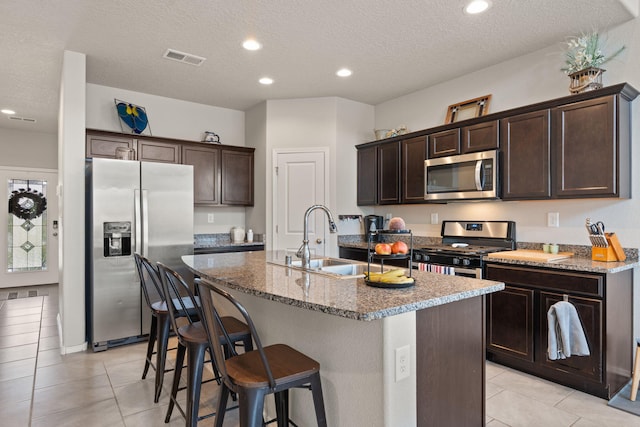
403, 363
388, 216
553, 219
210, 218
434, 218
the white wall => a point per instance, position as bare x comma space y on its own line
330, 122
71, 142
256, 137
174, 118
168, 117
354, 126
28, 149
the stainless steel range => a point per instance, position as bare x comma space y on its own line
464, 243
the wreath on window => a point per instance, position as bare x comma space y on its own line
27, 204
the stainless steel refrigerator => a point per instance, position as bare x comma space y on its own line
131, 207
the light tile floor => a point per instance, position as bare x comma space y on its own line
39, 387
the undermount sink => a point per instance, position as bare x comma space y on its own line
335, 267
322, 262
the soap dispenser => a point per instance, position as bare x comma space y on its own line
250, 236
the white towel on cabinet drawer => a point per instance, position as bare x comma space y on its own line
566, 336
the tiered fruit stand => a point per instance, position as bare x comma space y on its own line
373, 257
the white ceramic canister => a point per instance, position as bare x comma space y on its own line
237, 234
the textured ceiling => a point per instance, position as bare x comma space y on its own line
394, 47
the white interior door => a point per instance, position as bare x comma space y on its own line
29, 235
300, 182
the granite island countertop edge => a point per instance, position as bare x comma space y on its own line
368, 303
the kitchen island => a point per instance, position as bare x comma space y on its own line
360, 335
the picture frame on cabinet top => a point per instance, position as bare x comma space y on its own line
469, 109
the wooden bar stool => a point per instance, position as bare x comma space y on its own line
636, 372
254, 374
193, 342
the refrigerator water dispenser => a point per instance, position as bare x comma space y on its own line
117, 238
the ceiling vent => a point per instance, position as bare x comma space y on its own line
186, 58
22, 119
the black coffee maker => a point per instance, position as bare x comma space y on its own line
373, 223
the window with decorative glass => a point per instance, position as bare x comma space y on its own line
27, 226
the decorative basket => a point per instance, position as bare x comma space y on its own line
586, 80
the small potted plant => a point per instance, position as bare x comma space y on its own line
583, 60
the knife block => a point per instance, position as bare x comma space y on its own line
613, 252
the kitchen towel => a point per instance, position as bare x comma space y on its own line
566, 336
434, 268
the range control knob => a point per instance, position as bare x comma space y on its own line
456, 261
466, 261
425, 257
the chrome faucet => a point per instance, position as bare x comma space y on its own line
304, 252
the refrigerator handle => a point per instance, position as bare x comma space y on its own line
145, 223
137, 225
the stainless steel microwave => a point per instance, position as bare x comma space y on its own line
464, 177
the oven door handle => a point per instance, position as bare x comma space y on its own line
478, 175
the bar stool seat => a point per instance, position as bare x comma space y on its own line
636, 372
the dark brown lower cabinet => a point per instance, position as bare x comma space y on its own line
450, 364
511, 326
590, 313
517, 326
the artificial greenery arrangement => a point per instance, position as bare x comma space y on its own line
585, 52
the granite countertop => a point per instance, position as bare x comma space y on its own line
575, 263
223, 240
581, 261
254, 273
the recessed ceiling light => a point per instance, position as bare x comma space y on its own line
477, 6
7, 111
251, 44
266, 81
343, 72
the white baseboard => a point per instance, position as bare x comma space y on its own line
70, 349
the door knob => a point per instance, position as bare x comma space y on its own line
318, 240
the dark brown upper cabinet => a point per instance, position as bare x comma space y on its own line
480, 137
206, 173
445, 143
223, 175
414, 153
389, 173
525, 156
367, 193
591, 149
236, 177
156, 151
577, 146
105, 145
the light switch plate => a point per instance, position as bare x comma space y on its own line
434, 218
210, 218
553, 219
